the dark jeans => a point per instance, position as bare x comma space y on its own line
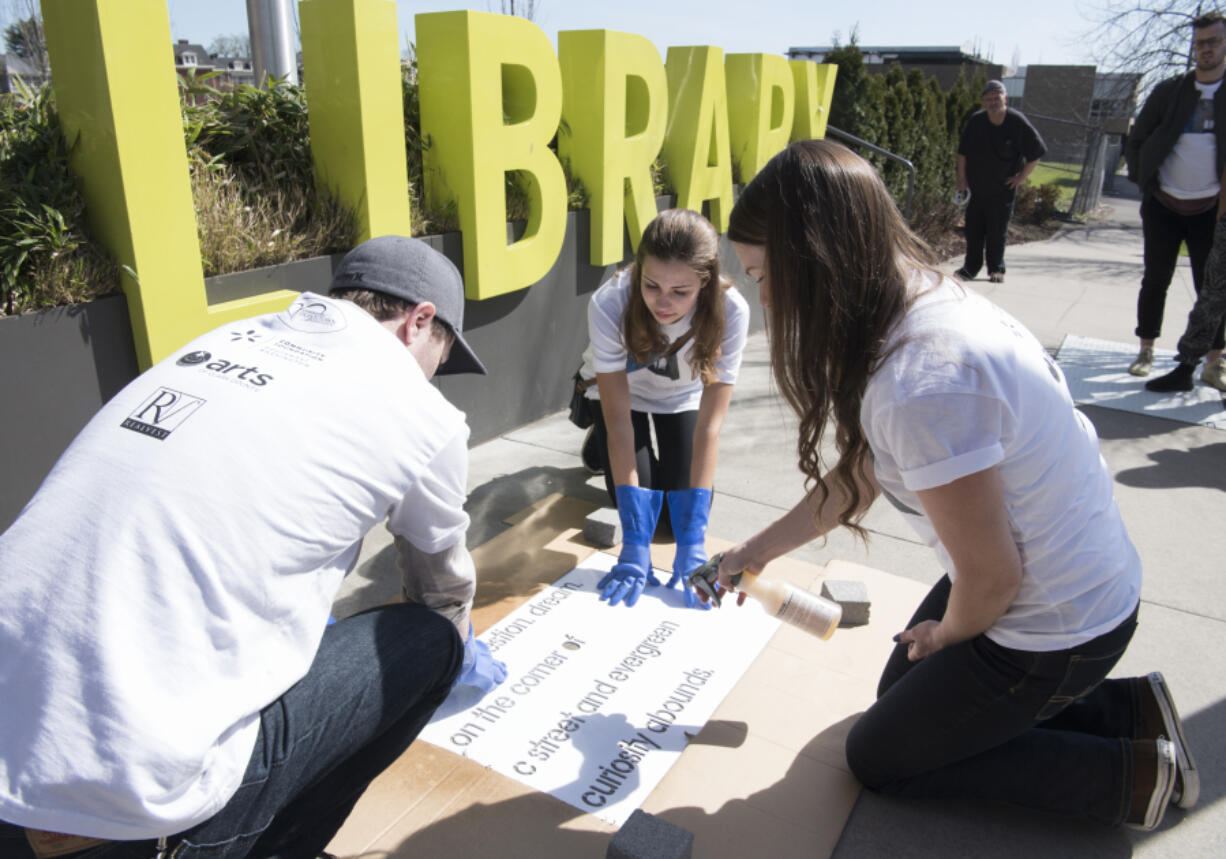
1206, 327
987, 222
1042, 730
1164, 231
376, 680
668, 466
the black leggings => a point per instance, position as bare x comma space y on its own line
668, 466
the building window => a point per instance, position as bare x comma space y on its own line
187, 59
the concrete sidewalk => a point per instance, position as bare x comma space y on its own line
1170, 483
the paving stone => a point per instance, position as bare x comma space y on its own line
852, 596
603, 527
645, 836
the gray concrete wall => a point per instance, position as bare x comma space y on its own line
60, 366
64, 364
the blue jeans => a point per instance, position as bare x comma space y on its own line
375, 681
1042, 730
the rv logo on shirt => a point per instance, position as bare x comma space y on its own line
163, 412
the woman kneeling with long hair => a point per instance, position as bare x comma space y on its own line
949, 407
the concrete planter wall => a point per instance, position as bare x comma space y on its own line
61, 365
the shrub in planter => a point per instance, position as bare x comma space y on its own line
253, 179
46, 255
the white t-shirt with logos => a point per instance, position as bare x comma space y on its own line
970, 388
174, 573
1189, 172
667, 385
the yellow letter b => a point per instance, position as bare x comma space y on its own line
491, 99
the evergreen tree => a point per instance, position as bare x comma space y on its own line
25, 39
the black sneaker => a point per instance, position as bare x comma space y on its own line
1154, 770
1158, 718
1179, 379
590, 453
963, 274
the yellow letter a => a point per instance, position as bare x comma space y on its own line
696, 144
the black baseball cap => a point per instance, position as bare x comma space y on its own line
410, 269
993, 86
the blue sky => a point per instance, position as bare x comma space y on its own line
1037, 31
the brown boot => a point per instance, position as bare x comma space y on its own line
1153, 777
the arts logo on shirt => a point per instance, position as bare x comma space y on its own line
163, 412
314, 315
230, 369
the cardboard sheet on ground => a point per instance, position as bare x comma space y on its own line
600, 701
1097, 375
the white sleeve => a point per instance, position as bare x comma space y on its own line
445, 581
736, 332
604, 316
431, 515
936, 439
429, 525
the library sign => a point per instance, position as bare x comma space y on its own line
493, 95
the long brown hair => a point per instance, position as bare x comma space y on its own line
684, 236
838, 258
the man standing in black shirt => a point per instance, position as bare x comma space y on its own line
998, 150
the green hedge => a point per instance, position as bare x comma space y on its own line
908, 115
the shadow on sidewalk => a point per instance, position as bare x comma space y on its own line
1177, 468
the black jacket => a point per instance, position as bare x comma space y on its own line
1162, 120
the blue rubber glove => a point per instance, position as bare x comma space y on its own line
689, 509
639, 509
480, 668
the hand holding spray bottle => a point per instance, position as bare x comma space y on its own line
803, 610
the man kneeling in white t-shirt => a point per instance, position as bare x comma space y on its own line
170, 678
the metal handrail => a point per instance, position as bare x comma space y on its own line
872, 147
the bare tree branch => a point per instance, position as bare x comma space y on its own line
1151, 38
234, 45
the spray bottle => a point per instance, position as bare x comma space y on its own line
814, 614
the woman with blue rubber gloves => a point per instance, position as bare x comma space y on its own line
937, 399
667, 334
